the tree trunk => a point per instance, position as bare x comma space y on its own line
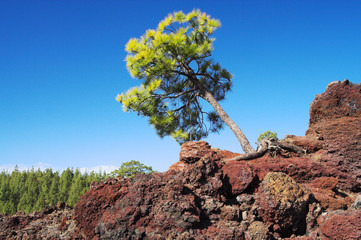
228, 121
206, 95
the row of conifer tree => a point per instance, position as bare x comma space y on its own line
32, 190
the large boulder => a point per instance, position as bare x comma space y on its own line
341, 225
91, 206
283, 204
193, 151
240, 176
325, 191
341, 99
335, 120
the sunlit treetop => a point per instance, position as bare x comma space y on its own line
175, 66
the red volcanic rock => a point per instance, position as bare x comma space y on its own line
54, 222
341, 99
224, 154
283, 204
323, 189
310, 143
342, 225
325, 183
182, 204
330, 200
152, 207
178, 166
342, 147
240, 175
91, 206
193, 151
301, 169
335, 118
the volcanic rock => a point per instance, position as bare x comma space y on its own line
341, 99
160, 205
324, 190
335, 119
282, 204
327, 183
55, 222
357, 203
193, 151
240, 176
257, 231
341, 225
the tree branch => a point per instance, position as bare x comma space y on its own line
166, 96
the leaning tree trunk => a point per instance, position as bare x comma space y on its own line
266, 145
228, 121
206, 95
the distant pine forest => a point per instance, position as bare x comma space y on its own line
32, 190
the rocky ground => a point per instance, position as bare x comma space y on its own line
55, 222
278, 196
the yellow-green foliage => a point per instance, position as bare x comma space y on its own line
168, 95
267, 134
179, 135
135, 97
130, 169
175, 36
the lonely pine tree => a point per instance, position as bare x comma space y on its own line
177, 72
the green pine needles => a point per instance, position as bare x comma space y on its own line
32, 190
175, 66
266, 135
130, 169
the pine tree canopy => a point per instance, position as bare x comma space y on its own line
130, 169
175, 65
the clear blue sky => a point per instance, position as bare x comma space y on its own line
62, 64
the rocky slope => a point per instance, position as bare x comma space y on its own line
55, 222
278, 196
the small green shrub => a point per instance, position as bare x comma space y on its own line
267, 134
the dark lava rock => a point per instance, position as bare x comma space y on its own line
55, 222
335, 119
193, 151
283, 204
341, 225
341, 99
240, 176
161, 205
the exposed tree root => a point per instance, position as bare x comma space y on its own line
269, 145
